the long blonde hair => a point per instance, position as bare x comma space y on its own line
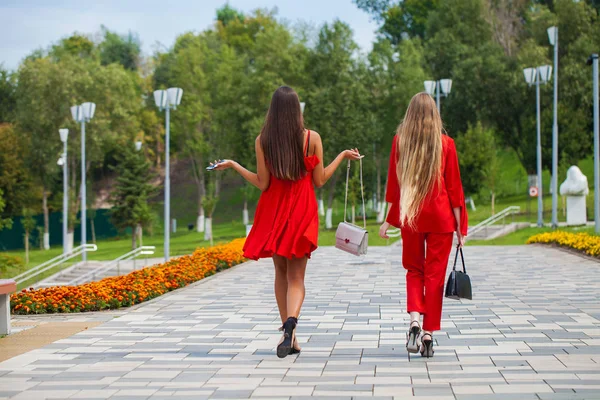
419, 145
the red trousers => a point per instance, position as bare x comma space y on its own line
425, 258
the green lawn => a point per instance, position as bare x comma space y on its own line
182, 242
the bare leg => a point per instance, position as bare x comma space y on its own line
296, 271
281, 285
296, 268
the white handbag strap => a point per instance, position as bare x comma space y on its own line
362, 193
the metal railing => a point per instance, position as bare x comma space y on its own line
512, 210
56, 261
392, 233
116, 263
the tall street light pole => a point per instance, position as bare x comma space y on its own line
535, 76
167, 100
553, 36
593, 60
64, 134
437, 88
82, 114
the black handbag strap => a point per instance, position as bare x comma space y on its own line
462, 258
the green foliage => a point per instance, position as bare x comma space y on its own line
7, 95
123, 50
132, 190
8, 261
28, 220
477, 152
15, 179
229, 72
228, 14
210, 200
4, 222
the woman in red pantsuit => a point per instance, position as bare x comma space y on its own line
427, 203
286, 222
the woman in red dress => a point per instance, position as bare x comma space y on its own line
427, 202
286, 222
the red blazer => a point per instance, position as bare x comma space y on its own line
436, 214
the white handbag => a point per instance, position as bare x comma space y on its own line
349, 237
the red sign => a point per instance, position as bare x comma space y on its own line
533, 191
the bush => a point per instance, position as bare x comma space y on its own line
584, 242
133, 288
8, 261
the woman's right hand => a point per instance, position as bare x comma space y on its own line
352, 154
383, 230
224, 164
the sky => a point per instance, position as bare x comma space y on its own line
27, 25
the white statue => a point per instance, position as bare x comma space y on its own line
575, 187
576, 183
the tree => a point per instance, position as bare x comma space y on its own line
475, 148
123, 50
29, 225
131, 193
338, 99
15, 180
5, 223
228, 14
7, 95
402, 19
210, 201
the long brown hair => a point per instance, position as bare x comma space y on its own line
420, 155
282, 136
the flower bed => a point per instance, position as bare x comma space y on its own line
133, 288
586, 243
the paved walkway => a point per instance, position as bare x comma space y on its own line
532, 332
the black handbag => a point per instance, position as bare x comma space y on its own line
459, 284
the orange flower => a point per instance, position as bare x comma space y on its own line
133, 288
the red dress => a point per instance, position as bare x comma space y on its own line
436, 214
286, 222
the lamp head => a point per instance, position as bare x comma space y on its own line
88, 110
530, 75
77, 113
60, 162
545, 72
64, 134
302, 105
174, 97
446, 85
160, 99
430, 87
552, 32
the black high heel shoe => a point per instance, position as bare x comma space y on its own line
412, 337
427, 346
289, 334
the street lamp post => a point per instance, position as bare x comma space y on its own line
553, 37
167, 100
593, 60
437, 88
82, 114
64, 134
535, 76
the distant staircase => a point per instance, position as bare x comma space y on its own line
95, 270
489, 229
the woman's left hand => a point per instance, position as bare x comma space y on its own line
224, 164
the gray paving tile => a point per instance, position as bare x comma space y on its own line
529, 322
